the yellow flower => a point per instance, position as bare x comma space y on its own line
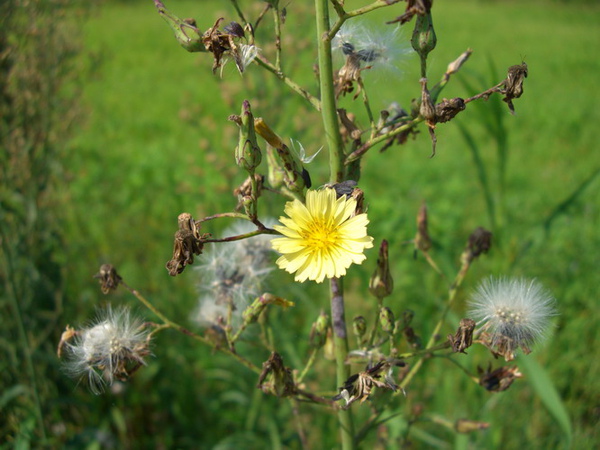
321, 239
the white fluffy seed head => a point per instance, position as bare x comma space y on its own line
232, 273
114, 342
514, 310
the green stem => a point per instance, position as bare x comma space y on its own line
328, 105
434, 335
340, 341
309, 363
382, 137
261, 61
176, 326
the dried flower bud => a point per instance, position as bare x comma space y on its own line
275, 378
247, 187
463, 338
360, 385
455, 65
187, 243
247, 152
427, 109
65, 337
446, 110
318, 332
479, 242
387, 320
513, 85
498, 380
109, 278
468, 426
359, 327
422, 239
381, 283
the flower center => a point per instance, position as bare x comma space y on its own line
321, 235
510, 316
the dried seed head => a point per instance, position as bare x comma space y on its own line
513, 85
275, 378
463, 338
109, 278
446, 110
360, 385
480, 241
187, 242
381, 284
498, 380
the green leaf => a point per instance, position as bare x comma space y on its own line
543, 386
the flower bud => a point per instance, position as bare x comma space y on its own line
185, 30
479, 242
422, 239
359, 327
292, 168
386, 320
276, 172
424, 39
381, 283
467, 426
252, 312
318, 332
249, 204
247, 152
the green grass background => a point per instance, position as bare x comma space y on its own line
154, 141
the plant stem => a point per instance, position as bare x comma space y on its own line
340, 341
263, 62
434, 335
170, 324
328, 105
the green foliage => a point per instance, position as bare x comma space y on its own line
155, 142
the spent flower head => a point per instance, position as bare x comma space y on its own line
512, 312
232, 273
113, 346
322, 237
373, 47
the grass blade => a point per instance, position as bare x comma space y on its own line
544, 387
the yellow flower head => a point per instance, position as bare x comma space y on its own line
321, 238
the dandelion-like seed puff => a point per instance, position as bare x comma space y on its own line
113, 347
321, 238
514, 312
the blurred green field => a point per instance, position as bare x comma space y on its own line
154, 141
